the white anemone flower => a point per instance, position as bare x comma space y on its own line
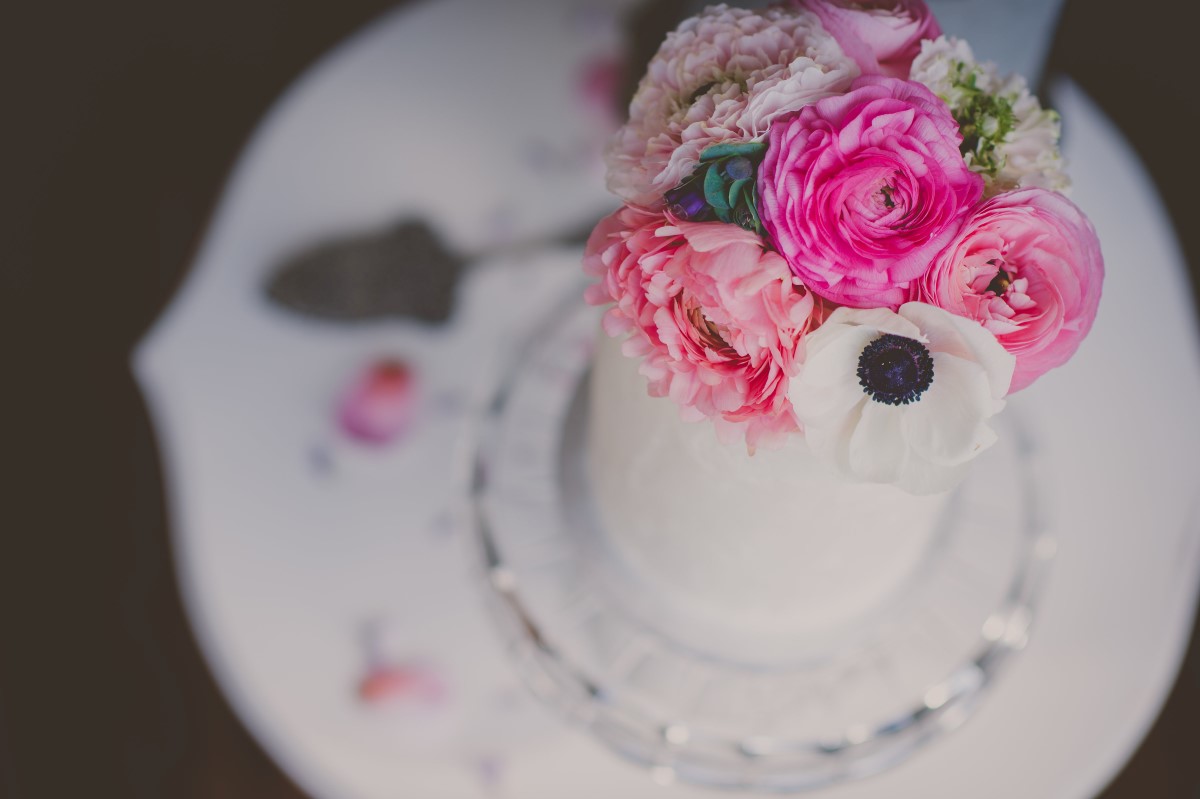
901, 397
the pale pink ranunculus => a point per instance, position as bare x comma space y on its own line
860, 192
882, 36
722, 75
1027, 266
717, 320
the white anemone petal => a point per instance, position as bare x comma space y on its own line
919, 476
882, 320
877, 448
966, 339
833, 360
947, 425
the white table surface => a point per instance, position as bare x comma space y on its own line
290, 538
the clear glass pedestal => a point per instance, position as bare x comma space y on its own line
693, 702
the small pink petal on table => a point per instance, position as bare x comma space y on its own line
597, 84
380, 405
408, 683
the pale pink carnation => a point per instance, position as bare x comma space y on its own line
882, 36
1027, 266
717, 320
722, 75
859, 192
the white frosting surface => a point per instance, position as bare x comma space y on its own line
774, 541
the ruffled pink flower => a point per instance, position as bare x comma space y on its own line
1027, 266
882, 36
717, 320
860, 192
721, 76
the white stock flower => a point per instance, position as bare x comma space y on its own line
1031, 158
1018, 146
901, 397
936, 66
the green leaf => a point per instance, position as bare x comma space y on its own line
735, 189
723, 214
726, 149
714, 190
752, 205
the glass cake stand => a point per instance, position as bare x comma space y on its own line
712, 706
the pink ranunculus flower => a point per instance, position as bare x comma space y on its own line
722, 75
860, 192
882, 36
717, 320
1027, 266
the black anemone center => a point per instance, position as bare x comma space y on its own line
895, 370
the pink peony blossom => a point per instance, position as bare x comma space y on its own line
718, 320
860, 192
882, 36
721, 76
1027, 266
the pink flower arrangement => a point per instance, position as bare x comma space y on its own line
838, 181
860, 191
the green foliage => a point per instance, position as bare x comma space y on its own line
731, 199
751, 149
985, 120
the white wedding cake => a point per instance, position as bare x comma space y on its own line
773, 542
843, 244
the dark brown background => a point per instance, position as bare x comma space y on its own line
121, 120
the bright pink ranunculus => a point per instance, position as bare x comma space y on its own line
1027, 266
718, 320
860, 192
882, 36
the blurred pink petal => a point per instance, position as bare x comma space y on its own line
409, 683
380, 405
597, 84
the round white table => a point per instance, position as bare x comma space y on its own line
292, 540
